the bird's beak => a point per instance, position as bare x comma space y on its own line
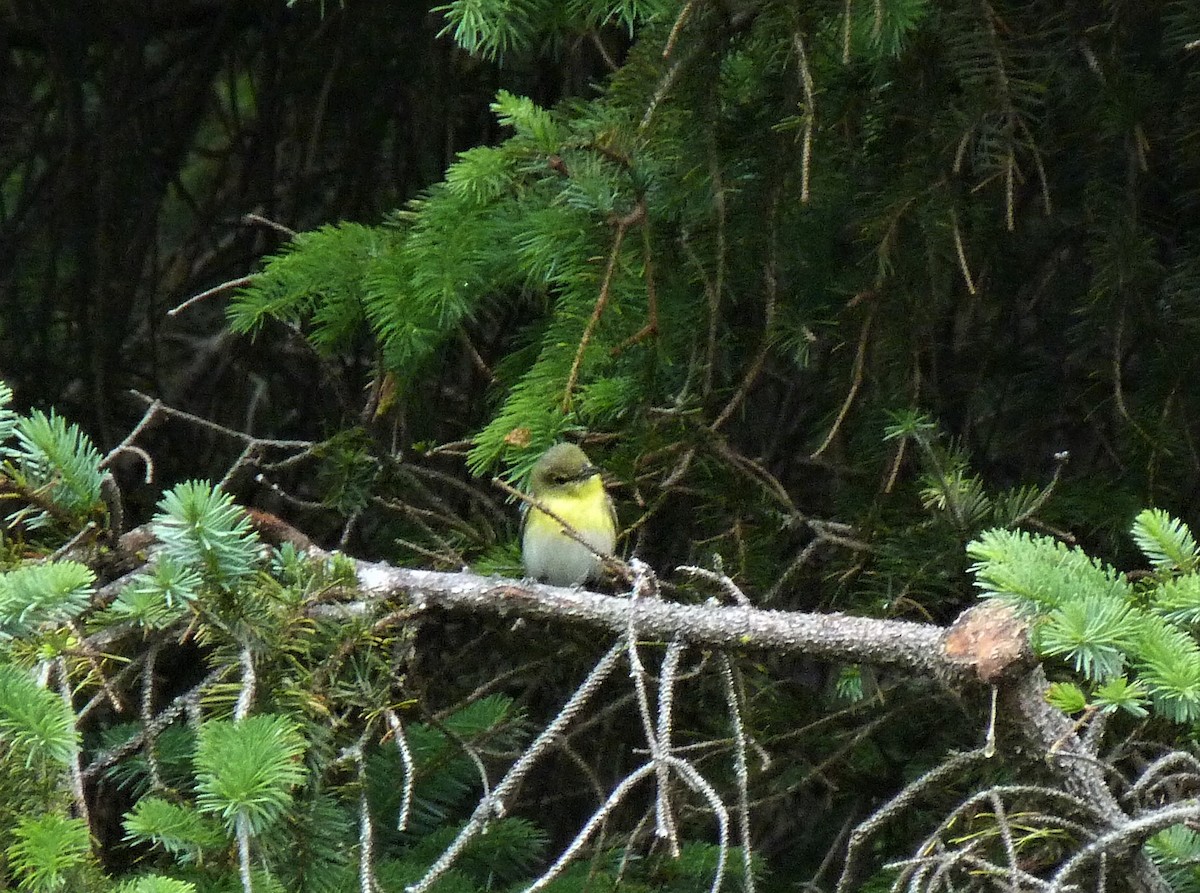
587, 471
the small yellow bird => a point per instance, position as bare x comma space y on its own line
569, 486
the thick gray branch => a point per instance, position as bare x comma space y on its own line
912, 646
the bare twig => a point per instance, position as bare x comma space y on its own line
495, 805
239, 282
270, 224
770, 276
677, 28
810, 104
860, 356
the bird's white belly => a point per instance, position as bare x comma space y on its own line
560, 560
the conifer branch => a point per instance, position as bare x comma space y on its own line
967, 649
810, 103
917, 647
650, 329
677, 28
860, 357
623, 223
715, 291
496, 804
770, 276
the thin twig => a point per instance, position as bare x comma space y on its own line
810, 104
961, 253
865, 831
771, 288
741, 769
495, 805
267, 222
660, 93
609, 62
846, 11
202, 422
650, 329
637, 215
677, 28
860, 357
239, 282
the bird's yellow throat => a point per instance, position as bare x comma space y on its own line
583, 504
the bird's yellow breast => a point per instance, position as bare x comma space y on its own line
552, 555
583, 505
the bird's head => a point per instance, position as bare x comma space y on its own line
560, 468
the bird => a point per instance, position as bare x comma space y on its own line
569, 486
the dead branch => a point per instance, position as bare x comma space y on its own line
918, 647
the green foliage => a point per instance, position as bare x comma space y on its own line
695, 869
950, 490
1093, 617
1166, 541
489, 28
1177, 598
1067, 697
49, 853
1169, 666
173, 750
850, 684
446, 777
1093, 632
513, 853
1040, 573
158, 596
318, 283
156, 884
883, 30
8, 418
182, 831
202, 529
1119, 693
246, 770
348, 472
34, 721
310, 851
535, 127
43, 594
1176, 852
771, 224
55, 466
627, 14
499, 29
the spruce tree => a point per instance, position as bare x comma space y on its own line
855, 302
